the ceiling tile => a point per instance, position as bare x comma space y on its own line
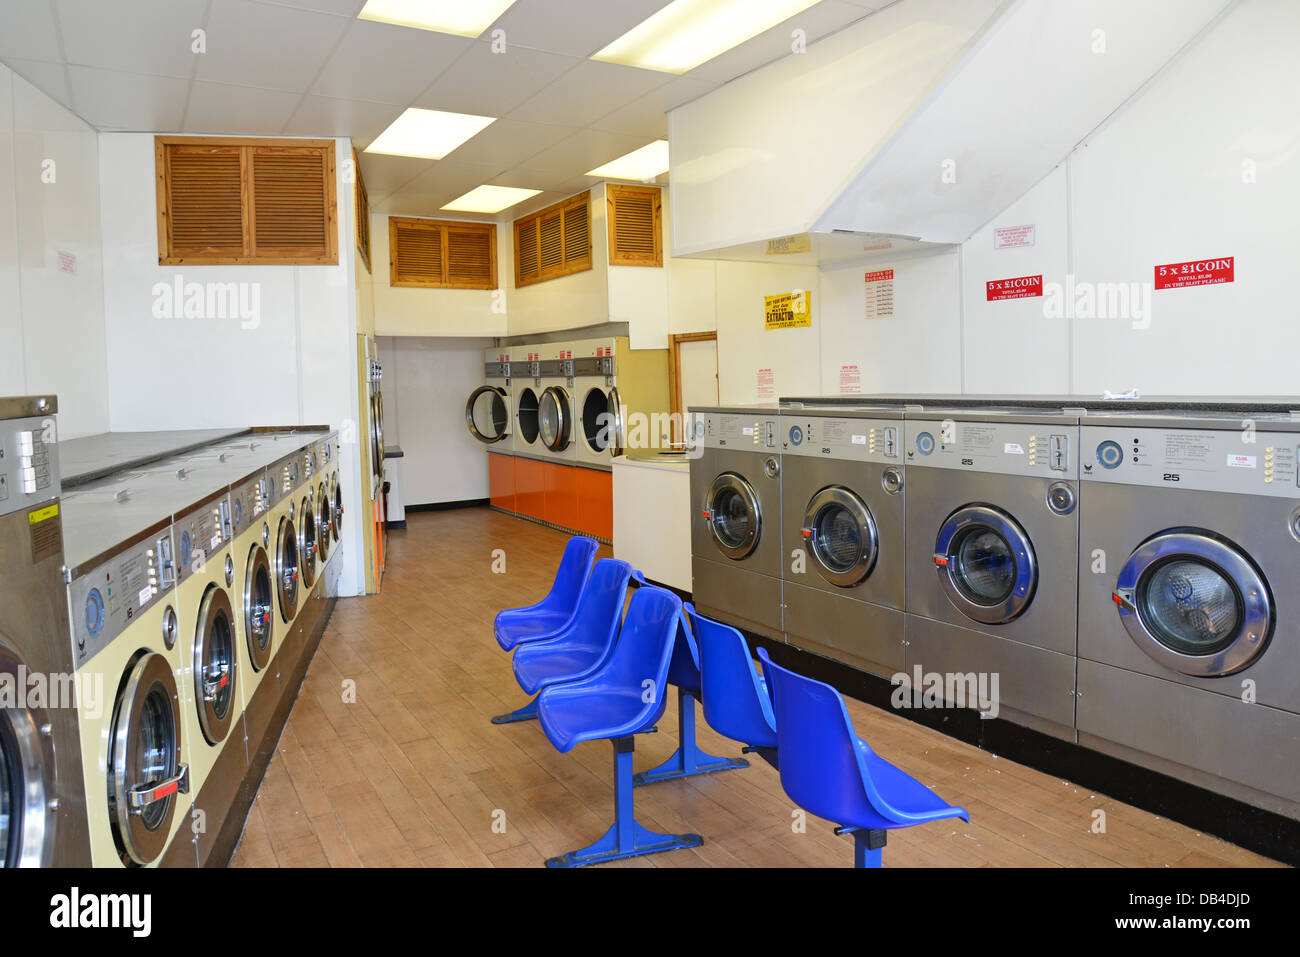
587, 92
507, 142
384, 174
585, 150
343, 8
327, 116
580, 28
493, 84
816, 22
437, 186
49, 78
272, 47
524, 177
114, 100
646, 116
28, 32
387, 64
237, 110
107, 36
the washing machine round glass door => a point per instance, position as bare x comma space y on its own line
840, 535
1195, 602
144, 769
602, 421
286, 569
734, 516
555, 419
324, 519
486, 415
214, 665
27, 781
526, 415
258, 599
307, 541
336, 524
986, 564
377, 434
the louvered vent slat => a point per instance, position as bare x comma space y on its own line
289, 210
362, 213
527, 265
551, 232
206, 206
577, 233
634, 225
469, 258
441, 253
553, 242
418, 254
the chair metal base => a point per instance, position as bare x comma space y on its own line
868, 847
527, 713
767, 754
625, 838
688, 760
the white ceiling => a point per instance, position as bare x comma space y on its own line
308, 67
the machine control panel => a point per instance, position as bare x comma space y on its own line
249, 501
852, 439
1004, 448
199, 535
103, 602
29, 466
740, 430
1242, 460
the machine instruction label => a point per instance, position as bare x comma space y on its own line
1241, 461
1197, 272
766, 384
879, 294
850, 380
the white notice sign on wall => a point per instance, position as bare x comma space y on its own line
766, 384
850, 380
1009, 237
880, 294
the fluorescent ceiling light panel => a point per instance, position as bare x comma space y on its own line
686, 33
464, 18
645, 163
429, 134
490, 199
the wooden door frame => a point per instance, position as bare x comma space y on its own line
675, 376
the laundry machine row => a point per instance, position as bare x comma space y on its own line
1003, 547
172, 595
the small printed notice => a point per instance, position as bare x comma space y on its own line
875, 245
880, 294
850, 380
789, 310
766, 384
1020, 287
1013, 448
145, 594
67, 262
858, 439
1198, 272
1011, 237
787, 245
1241, 461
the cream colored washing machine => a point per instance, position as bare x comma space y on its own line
285, 481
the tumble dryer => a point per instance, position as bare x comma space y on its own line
556, 411
42, 789
526, 384
736, 553
489, 410
842, 507
992, 540
600, 409
1189, 615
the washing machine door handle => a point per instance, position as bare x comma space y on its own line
809, 534
1124, 599
212, 685
140, 798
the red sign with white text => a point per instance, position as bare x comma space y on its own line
1021, 287
1198, 272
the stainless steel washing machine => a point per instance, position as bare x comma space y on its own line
1189, 599
43, 818
843, 514
736, 552
992, 544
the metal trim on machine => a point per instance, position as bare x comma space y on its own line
307, 539
336, 523
324, 520
562, 438
215, 665
1251, 597
731, 482
842, 499
612, 428
504, 420
144, 769
28, 782
286, 569
954, 533
259, 598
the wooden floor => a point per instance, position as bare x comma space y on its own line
411, 772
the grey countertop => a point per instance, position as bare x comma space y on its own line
94, 457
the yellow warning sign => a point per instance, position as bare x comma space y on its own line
41, 514
788, 245
789, 310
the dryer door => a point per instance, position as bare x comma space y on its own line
377, 435
986, 564
144, 768
602, 421
555, 419
486, 415
526, 415
734, 516
214, 665
840, 535
1196, 603
258, 599
27, 777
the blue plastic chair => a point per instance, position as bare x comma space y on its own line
580, 649
735, 696
688, 760
624, 698
553, 613
829, 771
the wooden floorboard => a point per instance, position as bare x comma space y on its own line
389, 759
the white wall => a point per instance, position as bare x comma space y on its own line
426, 382
293, 361
51, 286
